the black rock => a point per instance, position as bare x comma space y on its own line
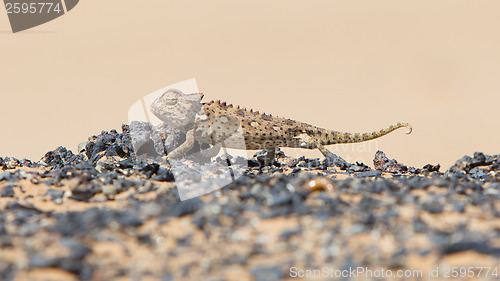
109, 143
433, 207
164, 175
7, 191
278, 200
7, 271
467, 163
480, 247
289, 233
93, 221
369, 203
431, 168
142, 142
334, 160
358, 167
150, 169
84, 166
459, 207
265, 157
5, 176
313, 163
72, 261
55, 193
419, 226
116, 150
266, 273
478, 173
185, 207
373, 173
60, 157
126, 163
382, 163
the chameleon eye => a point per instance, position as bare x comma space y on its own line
172, 101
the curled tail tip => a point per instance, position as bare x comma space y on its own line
408, 127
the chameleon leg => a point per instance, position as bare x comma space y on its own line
322, 149
266, 156
268, 160
183, 148
311, 142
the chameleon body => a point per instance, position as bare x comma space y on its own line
217, 123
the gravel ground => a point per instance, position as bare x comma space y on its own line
109, 214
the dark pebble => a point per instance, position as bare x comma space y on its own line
373, 173
54, 193
266, 273
480, 247
278, 200
167, 177
432, 168
289, 233
185, 207
7, 191
334, 160
8, 176
358, 167
382, 163
433, 207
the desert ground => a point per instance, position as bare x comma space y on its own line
106, 213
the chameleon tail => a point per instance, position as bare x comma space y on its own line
339, 137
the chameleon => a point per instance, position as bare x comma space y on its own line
220, 124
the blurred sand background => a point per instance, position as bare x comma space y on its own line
349, 66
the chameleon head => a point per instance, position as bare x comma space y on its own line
177, 109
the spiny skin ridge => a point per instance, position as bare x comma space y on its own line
224, 105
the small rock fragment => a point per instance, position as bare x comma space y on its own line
7, 191
374, 173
